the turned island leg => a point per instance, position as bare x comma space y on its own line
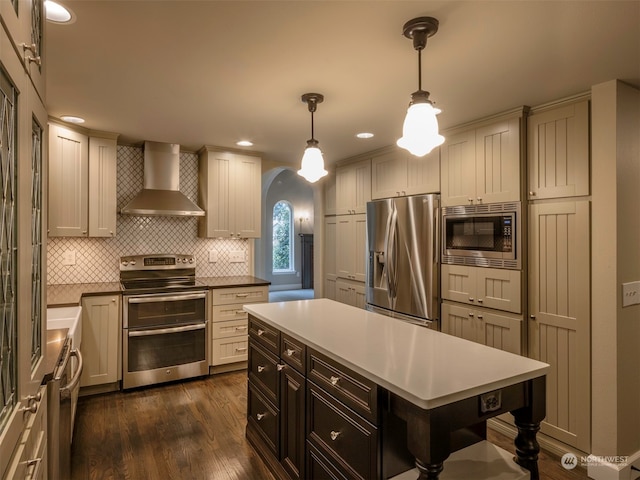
527, 421
429, 472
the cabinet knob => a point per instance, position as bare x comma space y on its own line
471, 314
260, 332
471, 299
289, 352
532, 194
532, 317
470, 200
334, 380
260, 416
479, 199
33, 408
479, 317
34, 398
280, 366
37, 60
334, 435
29, 46
480, 300
260, 369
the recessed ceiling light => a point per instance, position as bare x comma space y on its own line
72, 119
364, 135
244, 143
57, 13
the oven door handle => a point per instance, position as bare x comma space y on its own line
170, 298
163, 331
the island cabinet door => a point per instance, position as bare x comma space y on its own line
292, 416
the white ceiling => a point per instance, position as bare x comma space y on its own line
213, 72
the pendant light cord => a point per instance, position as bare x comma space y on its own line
312, 137
419, 69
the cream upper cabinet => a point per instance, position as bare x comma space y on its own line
330, 195
398, 173
353, 187
82, 183
230, 193
558, 153
559, 322
496, 288
25, 22
101, 340
330, 272
351, 233
494, 329
481, 164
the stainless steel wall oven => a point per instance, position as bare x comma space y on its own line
164, 319
485, 235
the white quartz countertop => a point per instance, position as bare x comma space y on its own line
426, 367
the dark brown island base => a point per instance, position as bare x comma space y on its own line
336, 392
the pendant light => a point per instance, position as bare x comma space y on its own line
312, 168
420, 130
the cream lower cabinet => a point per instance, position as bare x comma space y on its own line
350, 292
230, 192
484, 287
330, 272
29, 459
101, 340
488, 327
229, 325
559, 315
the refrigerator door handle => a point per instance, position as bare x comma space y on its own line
392, 257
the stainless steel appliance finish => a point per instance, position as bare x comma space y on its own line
161, 194
402, 267
486, 235
60, 412
164, 319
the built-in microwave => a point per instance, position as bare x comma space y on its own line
485, 235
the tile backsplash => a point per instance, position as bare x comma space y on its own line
97, 259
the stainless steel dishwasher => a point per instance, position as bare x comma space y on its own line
60, 412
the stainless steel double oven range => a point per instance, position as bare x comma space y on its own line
164, 320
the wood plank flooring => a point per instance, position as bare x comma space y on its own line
192, 430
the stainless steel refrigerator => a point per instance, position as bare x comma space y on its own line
403, 264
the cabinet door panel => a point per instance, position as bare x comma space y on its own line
500, 331
423, 173
458, 283
388, 175
345, 260
559, 152
101, 336
292, 426
458, 169
102, 187
459, 321
498, 288
498, 162
247, 196
560, 315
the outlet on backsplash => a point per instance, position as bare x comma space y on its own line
69, 257
213, 256
236, 256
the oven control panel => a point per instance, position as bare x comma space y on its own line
156, 262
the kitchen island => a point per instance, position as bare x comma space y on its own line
394, 381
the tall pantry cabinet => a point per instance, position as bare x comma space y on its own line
23, 168
559, 264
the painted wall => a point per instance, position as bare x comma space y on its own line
615, 260
97, 259
287, 185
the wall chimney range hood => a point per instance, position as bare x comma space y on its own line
160, 195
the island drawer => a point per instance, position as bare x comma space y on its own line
267, 336
352, 389
223, 296
232, 311
293, 352
347, 440
264, 372
264, 417
319, 468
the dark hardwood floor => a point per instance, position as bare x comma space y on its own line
192, 430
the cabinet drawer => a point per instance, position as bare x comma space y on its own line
229, 350
348, 440
319, 468
233, 311
267, 336
241, 295
263, 372
264, 417
293, 352
352, 389
231, 328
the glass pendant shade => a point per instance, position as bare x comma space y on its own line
312, 168
420, 130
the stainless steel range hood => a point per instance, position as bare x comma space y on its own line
160, 195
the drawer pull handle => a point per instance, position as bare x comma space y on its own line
241, 349
242, 295
334, 380
289, 352
471, 299
241, 328
280, 367
260, 369
334, 435
260, 416
480, 300
260, 332
33, 408
239, 312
